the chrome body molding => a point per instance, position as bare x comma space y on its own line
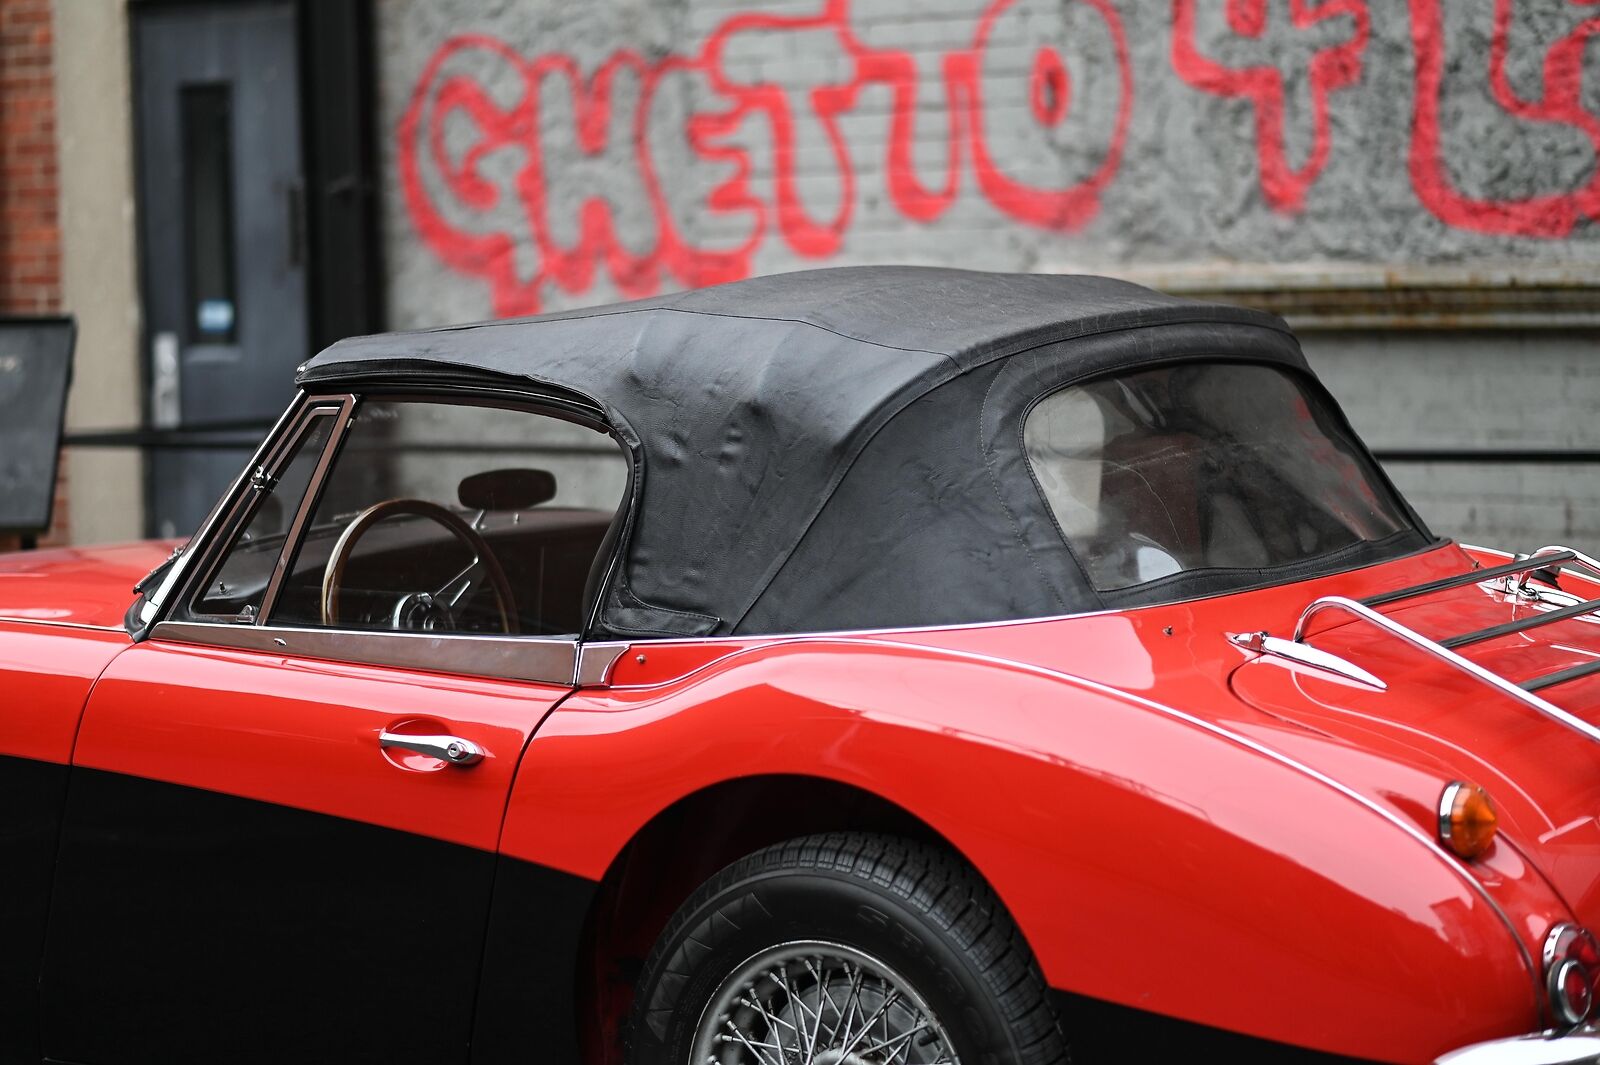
1305, 655
595, 661
546, 661
49, 623
1579, 1046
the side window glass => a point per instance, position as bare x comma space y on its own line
237, 586
455, 518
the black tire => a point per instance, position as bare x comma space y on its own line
923, 912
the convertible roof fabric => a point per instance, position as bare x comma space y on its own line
860, 415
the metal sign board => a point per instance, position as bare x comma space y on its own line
35, 370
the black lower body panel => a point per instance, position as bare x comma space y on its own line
191, 928
1101, 1033
31, 794
527, 1010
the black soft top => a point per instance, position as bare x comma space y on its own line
834, 448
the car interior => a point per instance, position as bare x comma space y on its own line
510, 551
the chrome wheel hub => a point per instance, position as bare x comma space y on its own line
818, 1003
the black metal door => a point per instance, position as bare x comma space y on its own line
223, 232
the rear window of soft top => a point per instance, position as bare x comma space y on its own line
1202, 466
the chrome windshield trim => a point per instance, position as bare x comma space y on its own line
156, 602
342, 416
543, 660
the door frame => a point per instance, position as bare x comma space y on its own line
345, 280
538, 659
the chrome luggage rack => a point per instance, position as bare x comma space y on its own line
1516, 575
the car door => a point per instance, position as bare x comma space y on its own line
279, 835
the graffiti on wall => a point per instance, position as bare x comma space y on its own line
1329, 68
531, 170
1558, 102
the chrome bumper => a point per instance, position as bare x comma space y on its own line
1580, 1046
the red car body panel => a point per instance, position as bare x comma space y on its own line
86, 586
1121, 779
60, 625
46, 673
1114, 828
304, 733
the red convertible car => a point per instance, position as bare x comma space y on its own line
877, 666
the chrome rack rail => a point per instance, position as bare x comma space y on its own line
1543, 558
1516, 575
1494, 680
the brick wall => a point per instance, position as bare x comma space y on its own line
30, 233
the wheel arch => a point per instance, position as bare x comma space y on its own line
684, 845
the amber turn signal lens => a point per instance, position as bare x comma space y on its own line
1467, 820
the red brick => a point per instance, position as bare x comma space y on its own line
30, 235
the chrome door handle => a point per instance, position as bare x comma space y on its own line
452, 749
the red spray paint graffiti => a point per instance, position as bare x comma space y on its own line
1331, 68
1551, 215
708, 149
467, 218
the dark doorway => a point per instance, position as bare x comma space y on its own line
257, 221
222, 212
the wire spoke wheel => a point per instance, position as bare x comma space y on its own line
815, 1003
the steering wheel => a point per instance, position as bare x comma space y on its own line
423, 610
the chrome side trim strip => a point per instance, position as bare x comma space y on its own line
1003, 623
80, 626
544, 661
1444, 654
595, 661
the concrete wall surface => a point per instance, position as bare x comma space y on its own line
542, 154
1483, 390
99, 270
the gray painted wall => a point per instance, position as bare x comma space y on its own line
1501, 389
99, 273
543, 154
